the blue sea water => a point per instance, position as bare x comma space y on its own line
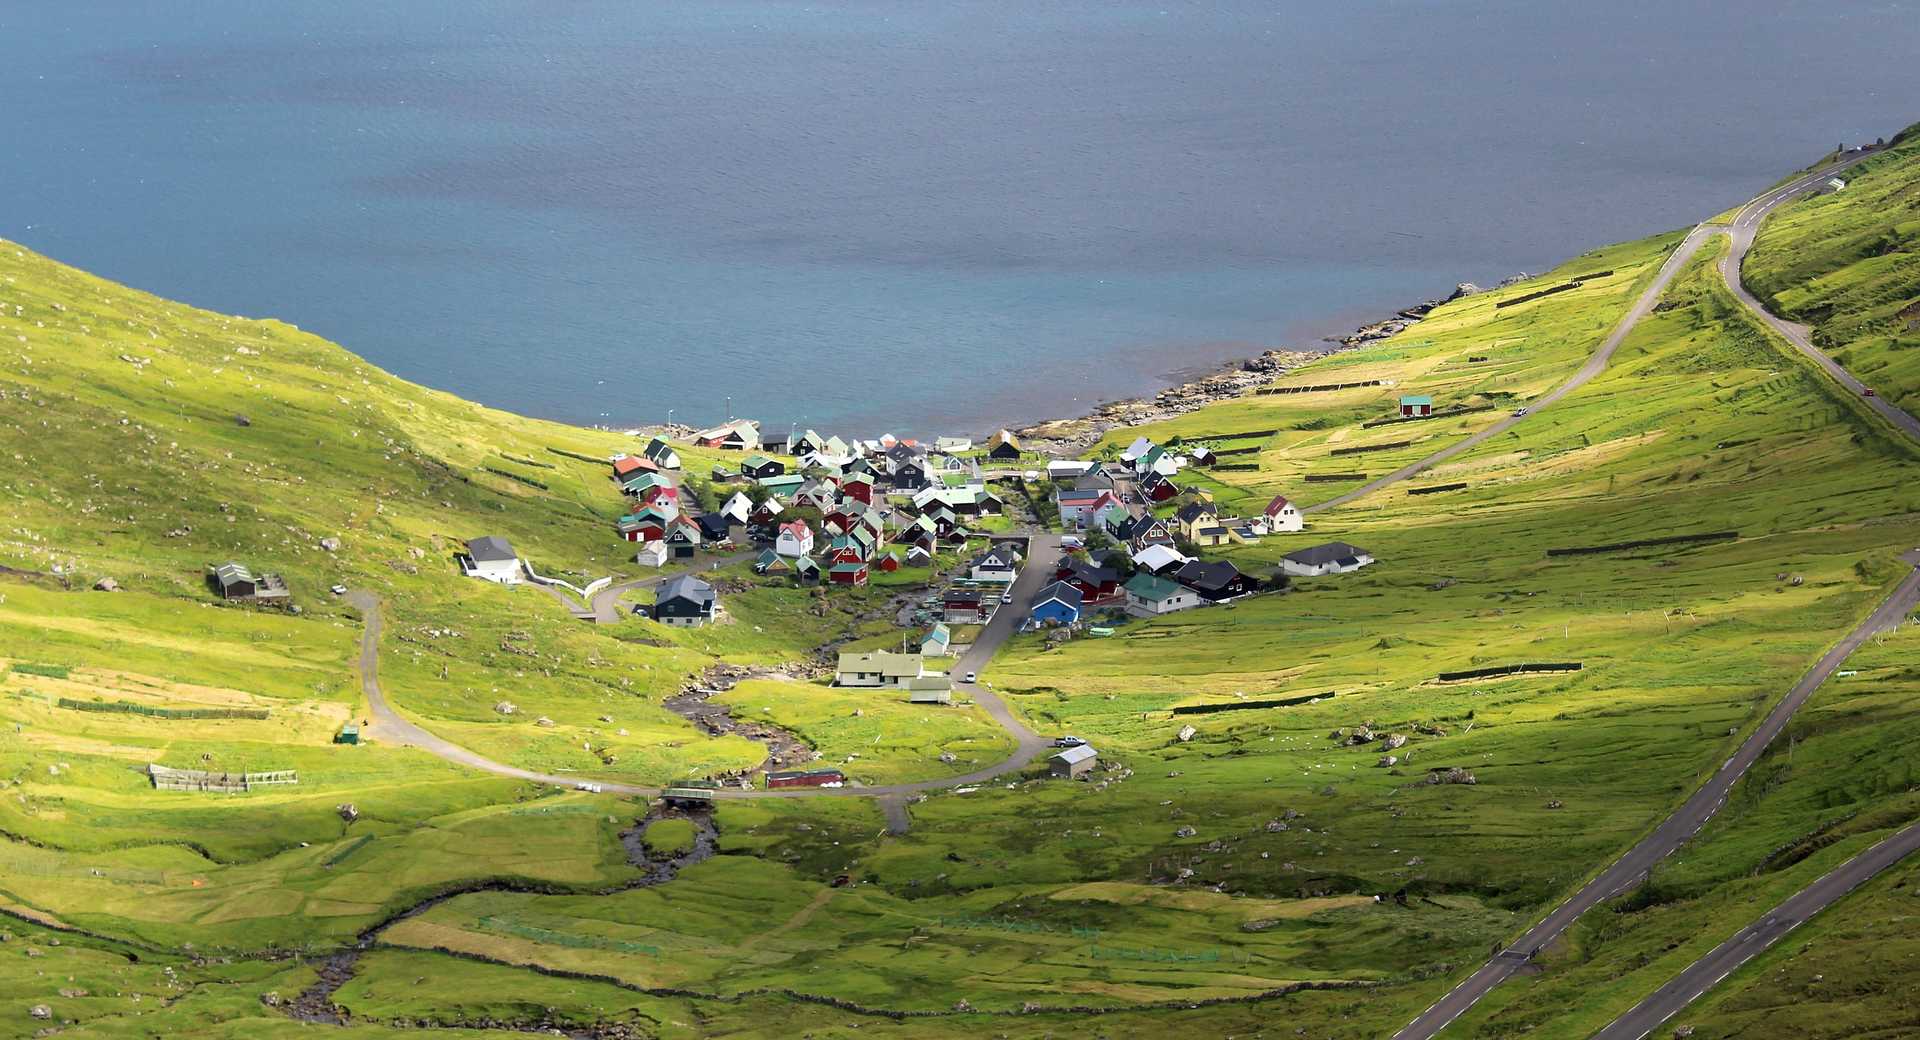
863, 215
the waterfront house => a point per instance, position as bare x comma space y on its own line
492, 559
806, 443
760, 467
734, 435
953, 445
661, 454
1003, 445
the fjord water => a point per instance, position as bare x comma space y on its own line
865, 215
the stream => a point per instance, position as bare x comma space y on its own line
315, 1003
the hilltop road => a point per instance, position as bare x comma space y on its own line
1742, 231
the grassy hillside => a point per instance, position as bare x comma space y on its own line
1848, 263
1259, 872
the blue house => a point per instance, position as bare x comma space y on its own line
1057, 604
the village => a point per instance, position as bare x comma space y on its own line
983, 540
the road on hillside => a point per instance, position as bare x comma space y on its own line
1042, 558
1751, 941
1675, 830
1643, 305
1690, 817
1745, 226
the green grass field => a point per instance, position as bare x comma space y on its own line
1261, 873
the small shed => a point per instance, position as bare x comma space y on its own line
1072, 763
349, 734
1416, 406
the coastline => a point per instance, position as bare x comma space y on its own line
1225, 382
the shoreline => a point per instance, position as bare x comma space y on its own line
1223, 381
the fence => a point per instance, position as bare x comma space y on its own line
1317, 388
1233, 436
595, 459
510, 475
1548, 291
1463, 410
45, 671
1223, 452
527, 462
1361, 449
1647, 543
1509, 669
1434, 489
129, 708
1284, 702
1332, 478
1234, 467
166, 778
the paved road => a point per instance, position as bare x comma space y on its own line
1687, 821
1675, 831
1043, 557
1754, 939
1748, 219
1745, 225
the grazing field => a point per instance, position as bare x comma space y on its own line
1325, 855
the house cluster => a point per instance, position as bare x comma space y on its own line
657, 519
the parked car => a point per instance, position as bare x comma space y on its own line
1066, 742
338, 590
1006, 597
1518, 412
1868, 392
970, 677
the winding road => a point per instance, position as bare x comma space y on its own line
1618, 877
1687, 821
1043, 556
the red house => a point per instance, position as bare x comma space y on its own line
805, 778
889, 563
848, 574
660, 492
859, 488
1162, 490
628, 465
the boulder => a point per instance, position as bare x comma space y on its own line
1187, 733
1394, 741
106, 585
40, 1011
505, 708
1451, 775
330, 544
1185, 832
1387, 761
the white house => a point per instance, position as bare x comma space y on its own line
652, 554
739, 507
1833, 184
1331, 558
795, 539
1149, 595
880, 669
999, 565
492, 559
1137, 449
952, 445
1159, 558
1281, 515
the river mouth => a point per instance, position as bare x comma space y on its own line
315, 1004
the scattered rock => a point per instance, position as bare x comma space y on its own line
330, 544
1276, 826
1394, 741
270, 999
1451, 775
543, 721
241, 420
40, 1011
1682, 1032
72, 993
1185, 832
348, 811
106, 585
1387, 761
962, 1007
1187, 733
1554, 803
505, 708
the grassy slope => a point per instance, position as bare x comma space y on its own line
1849, 265
1702, 423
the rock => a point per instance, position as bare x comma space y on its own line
1554, 803
72, 993
1462, 290
106, 585
1276, 826
543, 721
241, 420
962, 1007
1513, 279
1187, 733
330, 544
270, 999
1258, 926
1451, 775
1387, 761
40, 1011
947, 758
1185, 832
505, 708
1682, 1032
1361, 735
1394, 741
348, 811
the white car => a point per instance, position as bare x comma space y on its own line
970, 677
1006, 597
338, 590
1518, 412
